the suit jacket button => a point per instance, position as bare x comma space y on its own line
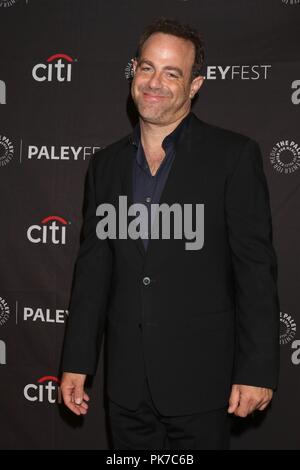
146, 281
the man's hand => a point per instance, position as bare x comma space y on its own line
244, 399
73, 392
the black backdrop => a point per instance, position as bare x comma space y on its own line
64, 93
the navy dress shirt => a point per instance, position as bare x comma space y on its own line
147, 189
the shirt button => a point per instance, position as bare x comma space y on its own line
148, 199
146, 281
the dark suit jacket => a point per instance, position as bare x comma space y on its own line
208, 318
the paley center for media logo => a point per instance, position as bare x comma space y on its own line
291, 2
224, 72
11, 3
238, 72
22, 151
57, 68
63, 153
288, 330
129, 70
285, 156
7, 3
51, 230
6, 150
4, 311
47, 315
45, 390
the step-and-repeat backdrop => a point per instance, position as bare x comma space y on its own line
64, 93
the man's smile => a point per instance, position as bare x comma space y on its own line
151, 97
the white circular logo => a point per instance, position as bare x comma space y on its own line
285, 156
7, 3
287, 328
291, 2
129, 71
4, 311
6, 150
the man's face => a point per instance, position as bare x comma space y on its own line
161, 87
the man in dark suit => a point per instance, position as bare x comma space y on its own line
192, 327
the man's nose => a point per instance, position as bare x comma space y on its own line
155, 80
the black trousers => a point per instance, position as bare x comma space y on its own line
145, 428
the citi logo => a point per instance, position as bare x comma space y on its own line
47, 389
52, 229
2, 352
58, 67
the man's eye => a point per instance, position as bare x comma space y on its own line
145, 68
172, 75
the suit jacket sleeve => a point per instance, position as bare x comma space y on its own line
254, 264
87, 310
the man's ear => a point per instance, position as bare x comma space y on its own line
196, 85
134, 65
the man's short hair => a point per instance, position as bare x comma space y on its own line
184, 31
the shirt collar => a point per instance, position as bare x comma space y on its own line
170, 140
